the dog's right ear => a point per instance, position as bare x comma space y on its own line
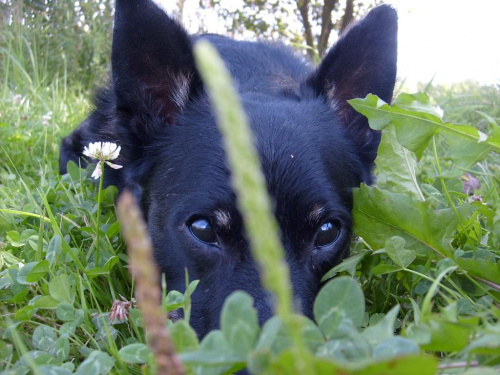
153, 67
362, 62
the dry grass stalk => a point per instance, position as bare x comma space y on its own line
147, 290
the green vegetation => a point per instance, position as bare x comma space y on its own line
419, 295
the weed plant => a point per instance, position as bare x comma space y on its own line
420, 293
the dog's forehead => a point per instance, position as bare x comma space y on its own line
302, 151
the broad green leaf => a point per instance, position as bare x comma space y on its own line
481, 268
73, 170
313, 338
19, 291
46, 302
396, 166
39, 357
384, 268
135, 353
110, 194
183, 337
61, 289
273, 340
28, 234
417, 102
136, 317
53, 370
415, 123
383, 330
67, 329
61, 348
448, 336
395, 249
396, 346
32, 272
105, 331
5, 351
192, 286
25, 313
407, 365
239, 322
465, 153
174, 300
486, 344
65, 311
5, 283
44, 338
97, 363
346, 351
275, 337
38, 271
214, 355
54, 249
14, 238
416, 134
347, 265
288, 362
440, 335
113, 229
338, 301
379, 214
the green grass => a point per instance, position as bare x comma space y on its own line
422, 294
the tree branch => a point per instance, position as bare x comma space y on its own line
303, 7
348, 15
326, 25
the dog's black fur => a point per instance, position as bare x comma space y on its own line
313, 146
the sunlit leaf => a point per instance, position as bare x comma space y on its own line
239, 322
379, 214
135, 353
341, 300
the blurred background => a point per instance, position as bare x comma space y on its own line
444, 41
54, 54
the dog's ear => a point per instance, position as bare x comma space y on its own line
152, 66
362, 62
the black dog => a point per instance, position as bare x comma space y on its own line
313, 146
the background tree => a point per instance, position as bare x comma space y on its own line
311, 24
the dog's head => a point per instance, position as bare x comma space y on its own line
314, 149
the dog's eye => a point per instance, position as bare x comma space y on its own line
203, 231
327, 233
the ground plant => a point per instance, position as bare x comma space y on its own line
420, 293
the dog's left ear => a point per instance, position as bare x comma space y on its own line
152, 64
362, 62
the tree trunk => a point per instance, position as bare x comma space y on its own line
303, 7
326, 26
348, 15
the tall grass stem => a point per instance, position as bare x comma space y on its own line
251, 190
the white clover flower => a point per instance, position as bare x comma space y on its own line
17, 99
103, 152
46, 118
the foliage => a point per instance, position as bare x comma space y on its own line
61, 41
420, 293
305, 23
